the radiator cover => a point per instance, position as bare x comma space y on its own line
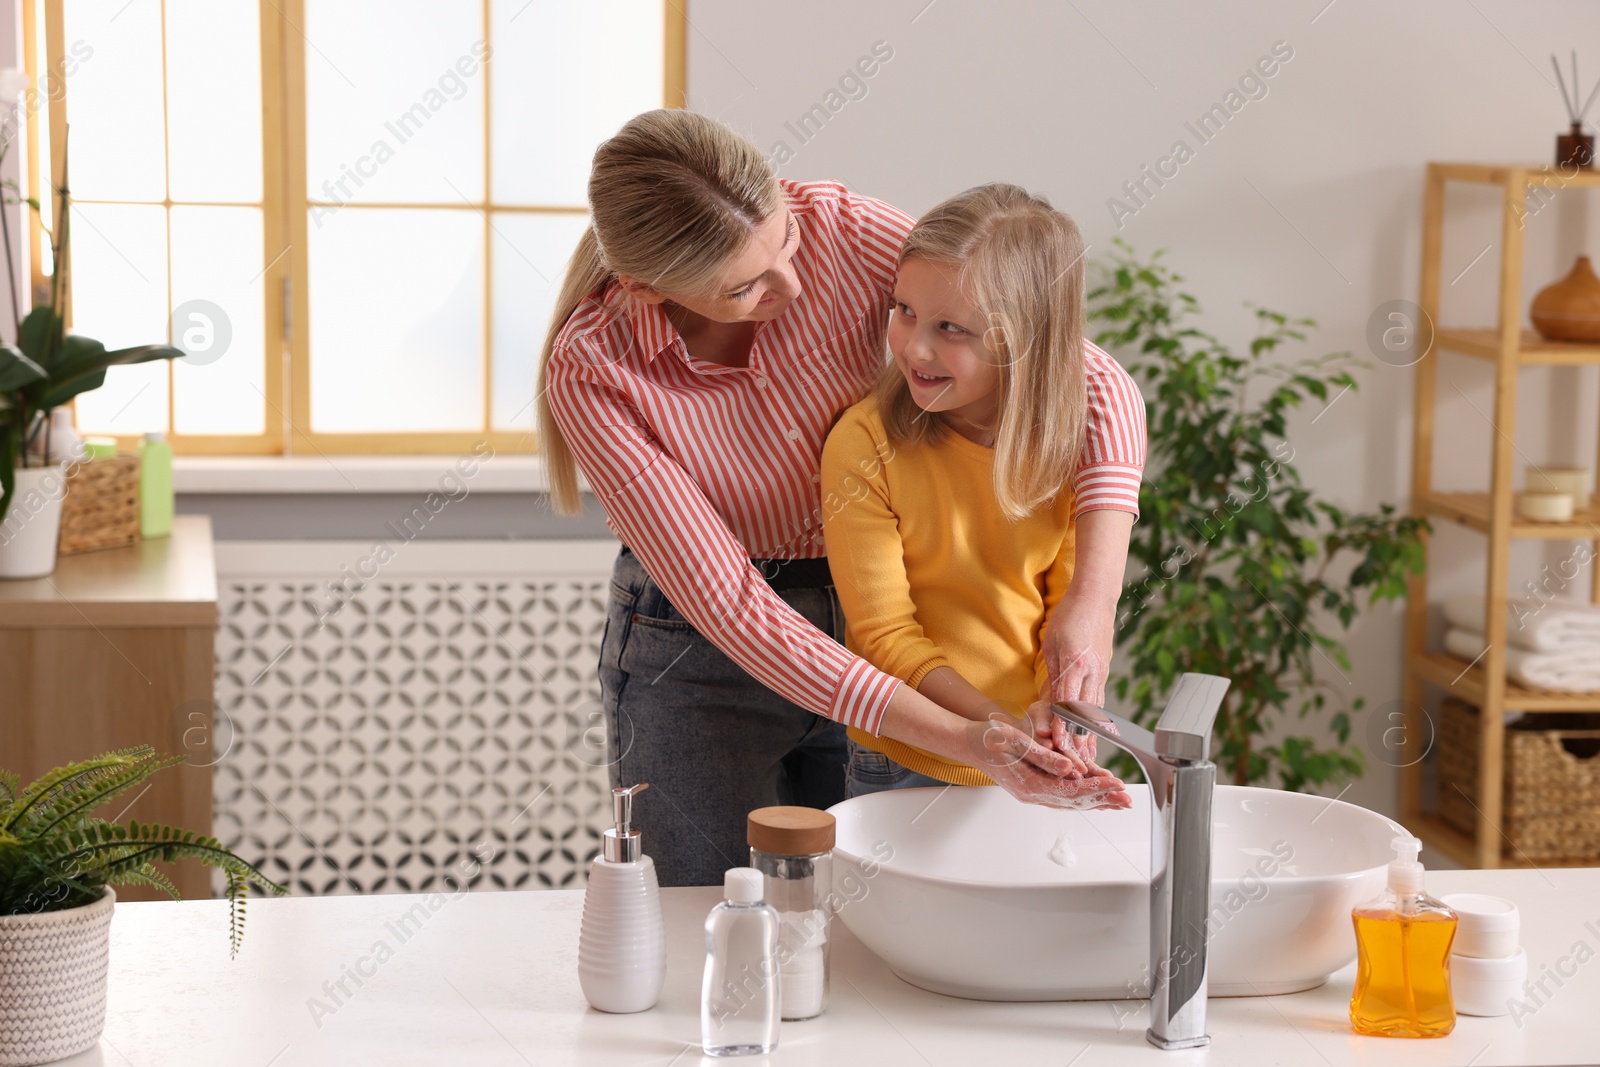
398, 721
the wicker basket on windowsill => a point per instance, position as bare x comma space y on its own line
1551, 796
101, 508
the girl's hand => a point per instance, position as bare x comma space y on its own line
1035, 774
1071, 755
1053, 731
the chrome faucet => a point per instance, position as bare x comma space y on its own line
1174, 761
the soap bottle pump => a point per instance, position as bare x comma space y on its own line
1403, 942
622, 944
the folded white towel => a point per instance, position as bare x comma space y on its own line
1576, 672
1539, 626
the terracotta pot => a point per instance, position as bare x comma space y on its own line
1569, 310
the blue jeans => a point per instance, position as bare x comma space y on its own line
873, 772
713, 742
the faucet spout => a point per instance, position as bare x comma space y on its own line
1182, 780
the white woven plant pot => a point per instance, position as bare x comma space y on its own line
53, 982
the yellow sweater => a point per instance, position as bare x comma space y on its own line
931, 573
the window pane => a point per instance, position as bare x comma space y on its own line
397, 321
566, 76
530, 254
118, 265
116, 151
214, 99
394, 101
50, 87
217, 296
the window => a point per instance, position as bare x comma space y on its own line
354, 214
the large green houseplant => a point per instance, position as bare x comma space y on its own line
1248, 573
57, 860
47, 366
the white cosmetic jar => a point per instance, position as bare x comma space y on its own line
1488, 927
1546, 507
1487, 987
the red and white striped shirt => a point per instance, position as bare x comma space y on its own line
701, 467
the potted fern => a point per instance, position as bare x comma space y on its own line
1247, 572
58, 863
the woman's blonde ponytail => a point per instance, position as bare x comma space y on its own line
586, 275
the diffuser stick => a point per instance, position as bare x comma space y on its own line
1577, 88
1586, 104
1572, 111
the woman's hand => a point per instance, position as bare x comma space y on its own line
1077, 648
1035, 774
1078, 637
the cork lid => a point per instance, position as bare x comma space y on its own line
791, 831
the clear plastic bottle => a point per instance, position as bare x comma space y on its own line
740, 997
1403, 942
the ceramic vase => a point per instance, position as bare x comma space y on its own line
1569, 310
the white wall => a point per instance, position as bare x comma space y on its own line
1308, 201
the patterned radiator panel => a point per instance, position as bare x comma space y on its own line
393, 733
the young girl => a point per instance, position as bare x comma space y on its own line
948, 525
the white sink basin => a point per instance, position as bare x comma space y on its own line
970, 893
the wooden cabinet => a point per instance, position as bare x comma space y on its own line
116, 648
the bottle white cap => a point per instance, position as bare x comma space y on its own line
1487, 927
1405, 873
743, 885
155, 437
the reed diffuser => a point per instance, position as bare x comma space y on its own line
1575, 148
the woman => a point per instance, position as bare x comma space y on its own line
713, 323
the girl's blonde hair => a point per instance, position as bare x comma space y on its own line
672, 197
1020, 262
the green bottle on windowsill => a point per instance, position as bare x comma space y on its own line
156, 503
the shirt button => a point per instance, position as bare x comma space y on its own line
793, 435
761, 381
816, 479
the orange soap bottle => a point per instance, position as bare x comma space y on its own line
1403, 944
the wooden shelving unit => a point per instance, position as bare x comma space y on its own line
1510, 347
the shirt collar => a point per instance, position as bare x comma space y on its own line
652, 330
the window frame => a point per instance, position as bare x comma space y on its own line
286, 206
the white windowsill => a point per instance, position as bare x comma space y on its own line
355, 474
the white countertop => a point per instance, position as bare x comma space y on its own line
490, 978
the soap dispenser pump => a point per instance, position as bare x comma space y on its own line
622, 944
1403, 939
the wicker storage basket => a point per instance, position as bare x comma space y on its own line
101, 509
1551, 806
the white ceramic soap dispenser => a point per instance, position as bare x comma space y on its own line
622, 945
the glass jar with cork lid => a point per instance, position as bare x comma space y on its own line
793, 849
